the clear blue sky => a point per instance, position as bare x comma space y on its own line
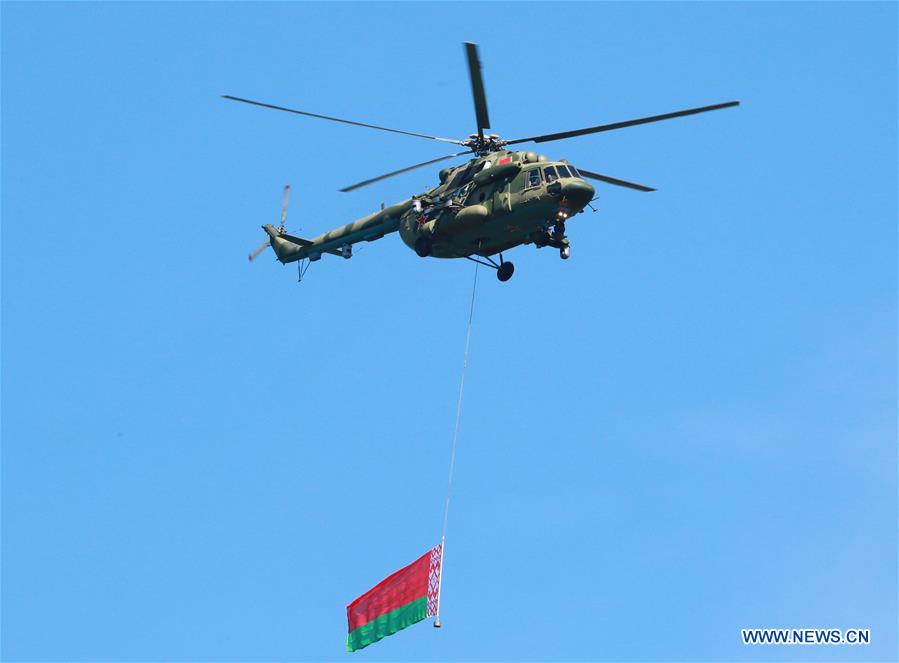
687, 428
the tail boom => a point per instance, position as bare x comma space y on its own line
289, 248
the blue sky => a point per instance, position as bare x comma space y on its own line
686, 429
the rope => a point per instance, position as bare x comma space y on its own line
449, 483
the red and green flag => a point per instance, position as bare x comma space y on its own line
400, 600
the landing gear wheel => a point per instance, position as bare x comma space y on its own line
504, 272
423, 246
564, 252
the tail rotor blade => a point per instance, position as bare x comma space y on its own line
259, 249
284, 203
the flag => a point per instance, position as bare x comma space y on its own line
398, 601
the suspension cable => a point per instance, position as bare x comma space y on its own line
449, 483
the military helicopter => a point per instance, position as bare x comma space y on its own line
498, 200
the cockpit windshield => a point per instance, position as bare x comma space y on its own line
573, 170
563, 171
462, 177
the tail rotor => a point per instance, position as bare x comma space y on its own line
268, 242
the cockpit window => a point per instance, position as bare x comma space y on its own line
563, 171
550, 173
533, 178
486, 165
573, 170
462, 177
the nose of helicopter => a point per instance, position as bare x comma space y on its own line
577, 192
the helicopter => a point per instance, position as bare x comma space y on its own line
499, 199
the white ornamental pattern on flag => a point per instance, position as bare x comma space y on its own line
434, 578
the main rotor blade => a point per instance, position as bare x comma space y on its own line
621, 125
613, 180
477, 88
337, 119
400, 171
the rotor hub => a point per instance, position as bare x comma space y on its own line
484, 145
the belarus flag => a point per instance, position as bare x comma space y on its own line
398, 601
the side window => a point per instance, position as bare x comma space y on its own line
563, 171
550, 173
533, 178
